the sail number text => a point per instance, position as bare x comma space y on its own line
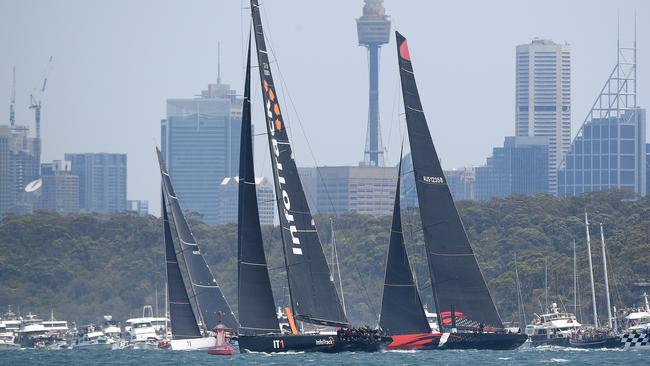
278, 343
434, 180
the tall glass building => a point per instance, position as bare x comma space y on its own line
543, 98
519, 167
19, 165
609, 153
609, 150
102, 181
200, 145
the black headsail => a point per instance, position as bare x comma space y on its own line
208, 295
313, 296
456, 278
401, 307
256, 305
182, 317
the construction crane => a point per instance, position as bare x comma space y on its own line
12, 105
35, 100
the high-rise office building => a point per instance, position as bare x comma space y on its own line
543, 98
519, 167
609, 150
60, 190
200, 145
229, 196
373, 29
102, 181
345, 189
609, 153
19, 166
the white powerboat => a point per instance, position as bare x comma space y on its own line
552, 329
90, 337
7, 338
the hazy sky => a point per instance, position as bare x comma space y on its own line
116, 62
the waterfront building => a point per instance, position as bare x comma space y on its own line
200, 144
60, 189
229, 197
102, 181
543, 98
519, 167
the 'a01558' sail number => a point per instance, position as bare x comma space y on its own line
278, 343
434, 180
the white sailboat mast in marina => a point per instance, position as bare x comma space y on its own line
591, 273
609, 305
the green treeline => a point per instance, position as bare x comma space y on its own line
85, 266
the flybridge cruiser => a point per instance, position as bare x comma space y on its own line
91, 337
467, 316
7, 338
314, 299
190, 330
554, 328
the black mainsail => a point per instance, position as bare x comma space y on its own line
208, 296
256, 305
183, 321
401, 307
457, 282
313, 296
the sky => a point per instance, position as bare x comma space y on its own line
116, 62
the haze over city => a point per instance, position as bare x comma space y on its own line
116, 63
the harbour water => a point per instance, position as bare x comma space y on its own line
549, 356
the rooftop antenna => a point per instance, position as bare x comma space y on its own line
219, 63
12, 105
635, 58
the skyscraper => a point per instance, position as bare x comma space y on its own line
60, 190
344, 189
19, 166
102, 181
373, 29
520, 166
200, 144
543, 98
609, 150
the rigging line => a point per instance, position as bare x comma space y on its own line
285, 89
365, 289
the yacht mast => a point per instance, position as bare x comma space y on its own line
575, 281
591, 273
609, 305
520, 300
335, 260
545, 284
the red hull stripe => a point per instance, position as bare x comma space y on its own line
414, 341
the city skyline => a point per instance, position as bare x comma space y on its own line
112, 91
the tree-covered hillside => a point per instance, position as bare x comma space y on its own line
85, 266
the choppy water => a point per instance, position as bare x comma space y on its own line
141, 358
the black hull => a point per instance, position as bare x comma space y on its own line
308, 343
539, 341
607, 342
486, 341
